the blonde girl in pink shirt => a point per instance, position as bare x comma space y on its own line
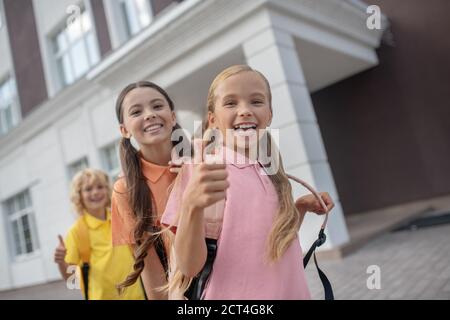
258, 252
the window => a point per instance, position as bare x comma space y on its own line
77, 166
75, 49
1, 17
8, 106
111, 164
136, 14
19, 211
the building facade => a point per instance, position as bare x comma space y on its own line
64, 62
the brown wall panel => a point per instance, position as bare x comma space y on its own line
387, 130
160, 5
26, 54
101, 26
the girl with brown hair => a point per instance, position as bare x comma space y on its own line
145, 113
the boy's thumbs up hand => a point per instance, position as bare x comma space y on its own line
208, 183
60, 251
61, 241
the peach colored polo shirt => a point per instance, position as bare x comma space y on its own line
159, 179
241, 270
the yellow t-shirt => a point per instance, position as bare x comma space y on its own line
108, 266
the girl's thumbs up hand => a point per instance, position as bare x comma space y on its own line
208, 183
60, 251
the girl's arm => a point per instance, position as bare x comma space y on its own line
190, 246
311, 204
153, 276
207, 186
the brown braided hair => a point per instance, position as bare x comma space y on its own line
140, 197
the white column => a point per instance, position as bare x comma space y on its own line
274, 54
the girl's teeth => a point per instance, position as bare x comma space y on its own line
153, 127
245, 127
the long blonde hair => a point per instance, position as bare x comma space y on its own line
288, 220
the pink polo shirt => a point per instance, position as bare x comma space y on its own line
241, 270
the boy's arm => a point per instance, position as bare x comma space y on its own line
63, 268
60, 255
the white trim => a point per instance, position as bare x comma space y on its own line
194, 18
47, 113
346, 22
27, 256
16, 216
82, 162
153, 29
114, 172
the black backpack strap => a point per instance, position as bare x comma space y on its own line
323, 278
198, 284
162, 255
143, 288
85, 277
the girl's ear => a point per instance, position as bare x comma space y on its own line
124, 132
211, 119
174, 119
270, 119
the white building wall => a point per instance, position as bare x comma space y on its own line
105, 126
5, 272
50, 17
15, 179
40, 161
273, 52
37, 166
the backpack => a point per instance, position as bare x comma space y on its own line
213, 226
84, 251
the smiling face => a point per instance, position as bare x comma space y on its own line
94, 195
242, 105
147, 117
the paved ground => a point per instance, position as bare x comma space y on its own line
50, 291
413, 265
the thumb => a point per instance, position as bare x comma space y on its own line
61, 241
199, 146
